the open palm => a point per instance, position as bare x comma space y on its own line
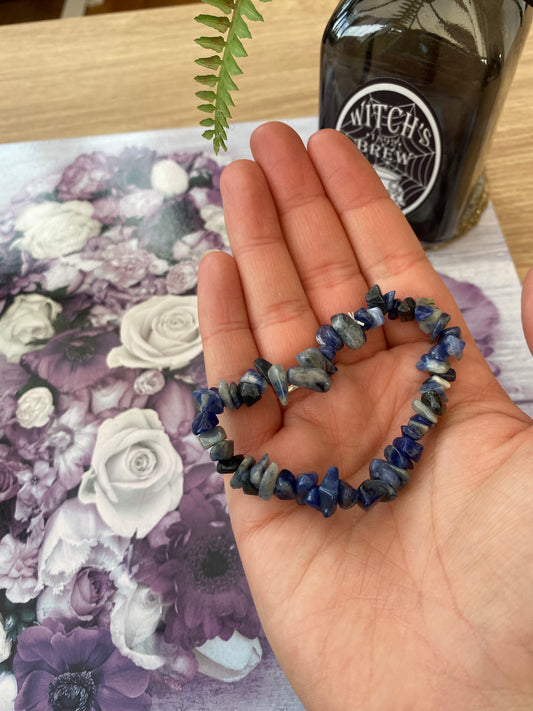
422, 603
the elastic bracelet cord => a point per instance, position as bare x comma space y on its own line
264, 478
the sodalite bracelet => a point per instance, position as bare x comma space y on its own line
315, 365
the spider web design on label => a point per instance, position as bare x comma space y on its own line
396, 129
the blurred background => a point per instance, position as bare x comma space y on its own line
15, 11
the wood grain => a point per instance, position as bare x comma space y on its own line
134, 71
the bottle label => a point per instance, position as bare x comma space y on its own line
397, 130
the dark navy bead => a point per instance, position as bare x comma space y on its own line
211, 437
423, 312
373, 490
351, 332
394, 476
434, 401
413, 431
285, 486
377, 316
262, 366
328, 352
426, 412
245, 466
310, 378
439, 352
312, 498
277, 376
314, 358
389, 300
348, 495
329, 492
450, 375
221, 450
235, 397
203, 422
247, 485
451, 331
374, 297
228, 466
409, 447
421, 420
365, 318
397, 458
305, 482
454, 346
430, 384
392, 313
209, 400
249, 393
428, 324
327, 336
255, 378
406, 309
442, 322
432, 365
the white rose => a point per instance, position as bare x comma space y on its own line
52, 229
135, 617
169, 178
139, 203
8, 691
213, 217
35, 407
136, 475
5, 644
76, 537
161, 332
28, 319
231, 660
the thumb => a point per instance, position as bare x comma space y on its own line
527, 309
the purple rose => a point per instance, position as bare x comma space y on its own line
182, 277
88, 175
80, 669
91, 590
10, 466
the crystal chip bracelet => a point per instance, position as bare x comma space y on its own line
263, 478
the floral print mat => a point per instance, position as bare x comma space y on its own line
121, 588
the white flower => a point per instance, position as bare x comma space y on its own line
5, 644
52, 229
213, 217
161, 332
8, 691
18, 567
28, 319
231, 660
35, 407
76, 537
169, 178
139, 203
135, 617
149, 382
136, 475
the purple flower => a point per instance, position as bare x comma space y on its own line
80, 669
10, 467
87, 176
90, 593
124, 265
74, 359
199, 576
182, 277
40, 491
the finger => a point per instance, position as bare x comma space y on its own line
527, 309
228, 343
315, 236
279, 314
388, 252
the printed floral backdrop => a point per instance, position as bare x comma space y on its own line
119, 575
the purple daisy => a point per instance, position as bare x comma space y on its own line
80, 669
200, 577
74, 359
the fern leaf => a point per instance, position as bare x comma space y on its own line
233, 24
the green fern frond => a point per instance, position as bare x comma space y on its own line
217, 99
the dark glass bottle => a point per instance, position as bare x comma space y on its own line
418, 85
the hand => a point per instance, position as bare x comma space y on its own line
421, 603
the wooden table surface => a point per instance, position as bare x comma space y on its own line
134, 71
